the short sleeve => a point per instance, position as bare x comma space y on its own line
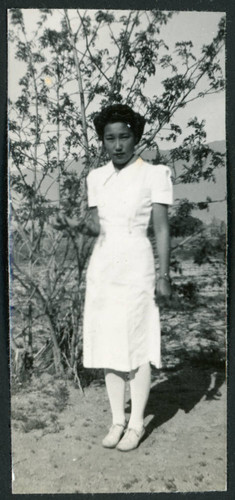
161, 185
91, 189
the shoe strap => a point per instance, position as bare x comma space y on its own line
118, 425
137, 432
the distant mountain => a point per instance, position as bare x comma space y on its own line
150, 154
199, 191
194, 192
219, 146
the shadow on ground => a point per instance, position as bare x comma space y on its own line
181, 391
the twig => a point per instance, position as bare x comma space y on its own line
192, 236
74, 370
42, 350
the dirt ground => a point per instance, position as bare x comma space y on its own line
57, 430
184, 448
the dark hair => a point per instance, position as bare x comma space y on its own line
119, 113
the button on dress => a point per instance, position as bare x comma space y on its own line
121, 329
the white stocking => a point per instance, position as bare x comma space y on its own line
115, 385
140, 380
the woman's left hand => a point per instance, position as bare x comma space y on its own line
163, 288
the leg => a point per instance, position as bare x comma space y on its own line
115, 385
140, 380
140, 387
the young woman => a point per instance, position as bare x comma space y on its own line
121, 318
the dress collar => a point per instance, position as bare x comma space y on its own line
111, 170
135, 163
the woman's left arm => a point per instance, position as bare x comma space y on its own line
162, 238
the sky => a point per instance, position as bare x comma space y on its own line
200, 27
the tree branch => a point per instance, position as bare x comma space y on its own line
80, 85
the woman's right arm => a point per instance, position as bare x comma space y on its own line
89, 226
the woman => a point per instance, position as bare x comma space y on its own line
121, 319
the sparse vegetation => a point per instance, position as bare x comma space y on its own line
38, 402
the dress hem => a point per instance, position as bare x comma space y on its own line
134, 367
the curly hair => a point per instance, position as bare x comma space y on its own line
119, 113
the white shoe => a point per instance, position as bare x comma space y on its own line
114, 435
131, 439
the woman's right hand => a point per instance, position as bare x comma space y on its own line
64, 222
90, 227
60, 222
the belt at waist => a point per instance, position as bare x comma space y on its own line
113, 230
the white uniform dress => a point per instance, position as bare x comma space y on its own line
121, 320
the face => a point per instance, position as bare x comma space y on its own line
119, 142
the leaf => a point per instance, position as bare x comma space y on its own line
22, 51
105, 17
16, 17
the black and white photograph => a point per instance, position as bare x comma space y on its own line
117, 230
